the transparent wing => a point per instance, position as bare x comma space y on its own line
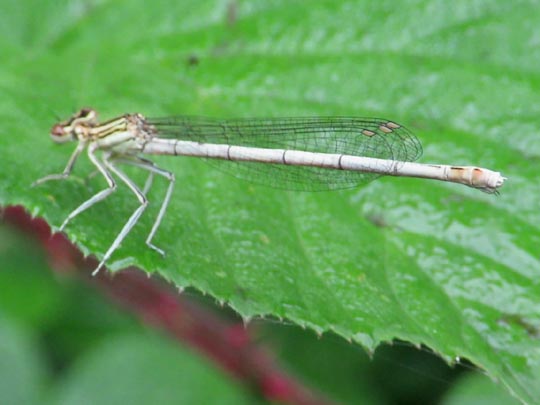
368, 137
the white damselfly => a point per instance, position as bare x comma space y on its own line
319, 153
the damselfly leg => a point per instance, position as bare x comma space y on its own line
153, 169
67, 171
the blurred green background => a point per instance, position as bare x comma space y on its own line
62, 341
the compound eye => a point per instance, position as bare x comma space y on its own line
57, 130
85, 112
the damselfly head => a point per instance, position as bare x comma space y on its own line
70, 129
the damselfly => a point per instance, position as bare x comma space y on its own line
320, 153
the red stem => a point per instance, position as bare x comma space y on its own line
227, 343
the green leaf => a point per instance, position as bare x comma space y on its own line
141, 370
423, 261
